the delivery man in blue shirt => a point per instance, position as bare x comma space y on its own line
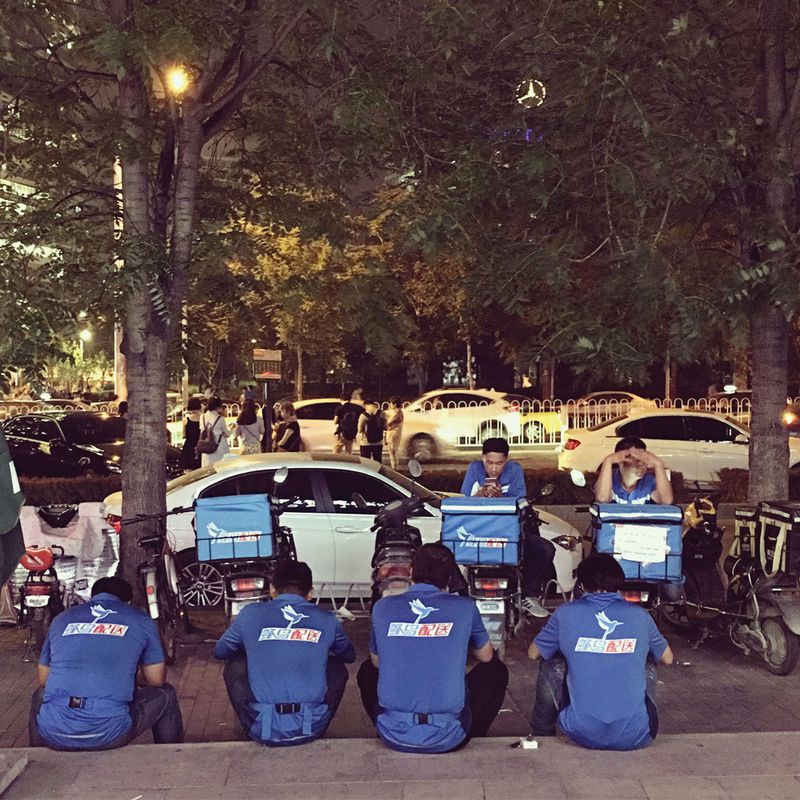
598, 679
88, 671
285, 670
495, 476
413, 685
632, 475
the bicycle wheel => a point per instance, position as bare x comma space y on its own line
169, 617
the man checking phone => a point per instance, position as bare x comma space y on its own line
495, 476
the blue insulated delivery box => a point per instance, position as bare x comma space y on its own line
233, 527
481, 530
646, 539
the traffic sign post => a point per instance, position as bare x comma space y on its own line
267, 364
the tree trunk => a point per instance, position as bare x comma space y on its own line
298, 379
470, 373
670, 379
769, 443
769, 329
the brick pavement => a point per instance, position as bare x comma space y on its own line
715, 688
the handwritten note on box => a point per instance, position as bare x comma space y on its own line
646, 544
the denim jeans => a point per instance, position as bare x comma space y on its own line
552, 696
153, 707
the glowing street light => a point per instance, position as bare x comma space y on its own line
177, 81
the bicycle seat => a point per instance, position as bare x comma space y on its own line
57, 516
37, 559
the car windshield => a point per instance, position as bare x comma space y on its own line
93, 429
411, 486
190, 477
606, 423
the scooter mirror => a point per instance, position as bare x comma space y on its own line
547, 490
414, 468
359, 500
577, 477
280, 476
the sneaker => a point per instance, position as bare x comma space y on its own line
530, 605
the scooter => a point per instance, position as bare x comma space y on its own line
42, 594
759, 611
395, 542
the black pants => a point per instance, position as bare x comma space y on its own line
486, 688
552, 696
374, 451
242, 699
153, 707
537, 564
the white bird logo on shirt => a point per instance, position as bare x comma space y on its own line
420, 609
607, 625
292, 616
99, 613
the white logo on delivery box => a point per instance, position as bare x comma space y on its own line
216, 532
468, 539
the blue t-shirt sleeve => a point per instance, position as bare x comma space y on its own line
658, 644
373, 641
516, 483
478, 636
473, 475
153, 652
229, 644
548, 638
342, 649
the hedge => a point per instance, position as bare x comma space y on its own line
43, 491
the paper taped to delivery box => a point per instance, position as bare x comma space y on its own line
646, 544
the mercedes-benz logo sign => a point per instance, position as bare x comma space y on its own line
531, 93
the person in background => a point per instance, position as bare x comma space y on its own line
394, 430
371, 429
290, 441
88, 698
249, 428
632, 475
345, 422
598, 679
122, 409
214, 422
191, 434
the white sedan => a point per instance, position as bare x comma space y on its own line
420, 438
331, 531
698, 444
468, 416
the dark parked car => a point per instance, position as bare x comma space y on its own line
68, 443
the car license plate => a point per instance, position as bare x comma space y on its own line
490, 607
36, 600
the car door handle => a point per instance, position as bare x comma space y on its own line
351, 529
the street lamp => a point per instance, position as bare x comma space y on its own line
84, 337
177, 80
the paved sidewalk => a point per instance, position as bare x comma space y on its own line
699, 767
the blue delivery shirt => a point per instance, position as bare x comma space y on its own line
93, 652
288, 642
421, 639
511, 480
606, 642
641, 493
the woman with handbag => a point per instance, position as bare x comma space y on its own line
249, 428
213, 444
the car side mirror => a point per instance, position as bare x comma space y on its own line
547, 490
741, 439
577, 477
281, 475
414, 468
359, 500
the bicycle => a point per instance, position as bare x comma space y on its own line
159, 580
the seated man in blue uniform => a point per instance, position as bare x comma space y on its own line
413, 684
632, 475
87, 669
598, 679
495, 476
285, 670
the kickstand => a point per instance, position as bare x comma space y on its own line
704, 634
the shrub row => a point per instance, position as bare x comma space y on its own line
42, 491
